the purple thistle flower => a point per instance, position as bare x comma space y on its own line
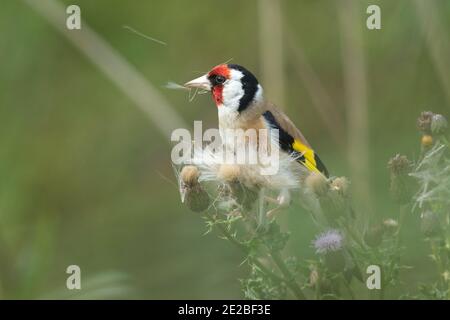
329, 241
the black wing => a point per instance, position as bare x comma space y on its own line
300, 151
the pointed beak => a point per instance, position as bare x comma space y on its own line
200, 83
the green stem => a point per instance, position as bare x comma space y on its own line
401, 219
276, 257
245, 250
354, 236
437, 257
288, 279
347, 286
445, 141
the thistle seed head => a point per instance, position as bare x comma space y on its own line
424, 122
401, 183
192, 193
229, 172
341, 185
399, 165
189, 175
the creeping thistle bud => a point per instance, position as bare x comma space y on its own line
401, 189
333, 196
430, 223
192, 193
324, 286
390, 225
341, 185
336, 203
335, 261
426, 141
327, 288
439, 124
374, 236
424, 122
401, 182
331, 245
317, 183
399, 165
329, 199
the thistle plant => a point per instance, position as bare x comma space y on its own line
227, 208
346, 244
431, 202
243, 216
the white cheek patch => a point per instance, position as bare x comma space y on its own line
259, 94
233, 91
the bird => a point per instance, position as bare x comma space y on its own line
241, 104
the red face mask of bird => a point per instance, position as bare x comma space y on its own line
230, 86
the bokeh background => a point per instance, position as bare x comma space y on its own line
85, 174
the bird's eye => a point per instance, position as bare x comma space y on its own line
219, 80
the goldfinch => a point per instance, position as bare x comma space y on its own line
241, 105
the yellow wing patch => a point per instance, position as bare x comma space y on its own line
308, 154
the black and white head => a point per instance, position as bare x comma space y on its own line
233, 88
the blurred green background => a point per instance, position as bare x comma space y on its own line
84, 174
